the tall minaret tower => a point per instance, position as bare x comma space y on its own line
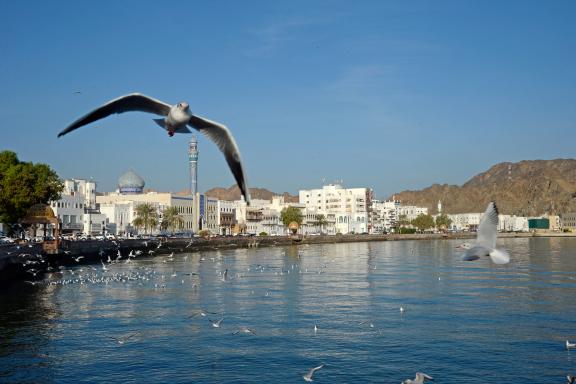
193, 159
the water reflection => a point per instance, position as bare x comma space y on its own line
478, 317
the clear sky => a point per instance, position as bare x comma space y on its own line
391, 95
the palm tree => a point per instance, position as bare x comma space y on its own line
171, 219
146, 217
321, 221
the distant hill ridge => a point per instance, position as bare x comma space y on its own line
526, 188
233, 193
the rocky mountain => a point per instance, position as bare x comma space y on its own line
233, 193
526, 188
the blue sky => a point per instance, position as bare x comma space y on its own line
392, 95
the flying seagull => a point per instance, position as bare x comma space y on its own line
419, 379
485, 244
308, 377
177, 119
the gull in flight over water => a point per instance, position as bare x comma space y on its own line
419, 379
177, 119
308, 377
485, 244
571, 379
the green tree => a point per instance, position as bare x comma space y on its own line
423, 222
171, 219
23, 184
401, 223
290, 214
146, 217
443, 222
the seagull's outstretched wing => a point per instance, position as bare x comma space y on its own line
308, 376
131, 102
488, 228
222, 137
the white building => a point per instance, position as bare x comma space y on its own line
384, 215
77, 209
470, 222
465, 221
410, 212
512, 223
348, 207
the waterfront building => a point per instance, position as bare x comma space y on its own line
568, 221
512, 223
465, 221
384, 215
226, 217
120, 207
76, 209
349, 208
410, 212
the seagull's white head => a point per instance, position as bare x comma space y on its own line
183, 106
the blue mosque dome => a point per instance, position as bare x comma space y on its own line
130, 183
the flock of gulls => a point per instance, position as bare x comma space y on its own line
177, 119
153, 270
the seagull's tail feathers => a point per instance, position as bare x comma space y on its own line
160, 122
499, 256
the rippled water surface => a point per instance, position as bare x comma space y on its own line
142, 322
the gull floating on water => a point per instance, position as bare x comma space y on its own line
177, 119
308, 376
570, 345
419, 379
485, 244
245, 330
463, 246
216, 323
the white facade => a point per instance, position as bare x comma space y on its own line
465, 221
384, 215
470, 221
410, 211
77, 200
509, 223
348, 207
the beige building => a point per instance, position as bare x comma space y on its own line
120, 206
569, 221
